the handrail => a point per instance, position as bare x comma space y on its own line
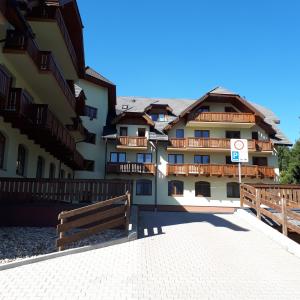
132, 141
135, 168
225, 117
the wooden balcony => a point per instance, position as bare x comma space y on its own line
46, 18
219, 119
250, 171
214, 144
130, 168
50, 84
77, 130
16, 109
132, 142
5, 83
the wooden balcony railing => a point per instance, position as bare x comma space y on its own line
225, 117
18, 105
132, 141
44, 119
5, 83
22, 190
44, 60
252, 171
217, 143
77, 126
130, 168
53, 13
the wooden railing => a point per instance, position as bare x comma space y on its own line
220, 170
130, 168
77, 126
217, 143
44, 60
93, 219
132, 141
18, 104
225, 117
5, 84
272, 205
53, 13
22, 190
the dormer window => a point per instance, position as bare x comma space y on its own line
158, 117
124, 106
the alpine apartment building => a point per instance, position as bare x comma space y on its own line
61, 119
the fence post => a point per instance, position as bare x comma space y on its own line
284, 216
258, 214
127, 212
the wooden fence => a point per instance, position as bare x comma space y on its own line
15, 190
93, 219
272, 205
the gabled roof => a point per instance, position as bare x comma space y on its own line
223, 94
158, 106
96, 78
137, 115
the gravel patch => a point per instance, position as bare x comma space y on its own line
17, 243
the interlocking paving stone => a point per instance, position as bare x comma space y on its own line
187, 256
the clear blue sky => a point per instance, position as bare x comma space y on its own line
182, 49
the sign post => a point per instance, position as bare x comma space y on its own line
239, 153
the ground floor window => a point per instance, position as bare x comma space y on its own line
144, 187
233, 190
175, 188
52, 171
40, 167
2, 150
21, 161
202, 188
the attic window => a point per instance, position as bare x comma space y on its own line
124, 106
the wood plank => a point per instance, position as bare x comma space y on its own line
293, 227
91, 218
271, 215
90, 231
78, 211
293, 215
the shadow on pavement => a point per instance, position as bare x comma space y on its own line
151, 223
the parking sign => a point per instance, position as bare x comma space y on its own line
239, 150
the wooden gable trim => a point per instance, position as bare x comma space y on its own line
133, 118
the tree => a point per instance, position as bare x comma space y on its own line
289, 164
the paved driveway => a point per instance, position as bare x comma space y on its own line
179, 256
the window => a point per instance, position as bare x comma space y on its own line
201, 159
124, 106
90, 112
201, 133
61, 173
233, 134
40, 167
154, 117
254, 135
203, 109
89, 165
161, 117
175, 158
90, 138
144, 157
123, 131
117, 157
179, 133
230, 109
233, 190
202, 188
144, 187
229, 162
21, 161
52, 170
175, 188
141, 132
2, 150
260, 161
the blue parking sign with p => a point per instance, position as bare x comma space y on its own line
235, 156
